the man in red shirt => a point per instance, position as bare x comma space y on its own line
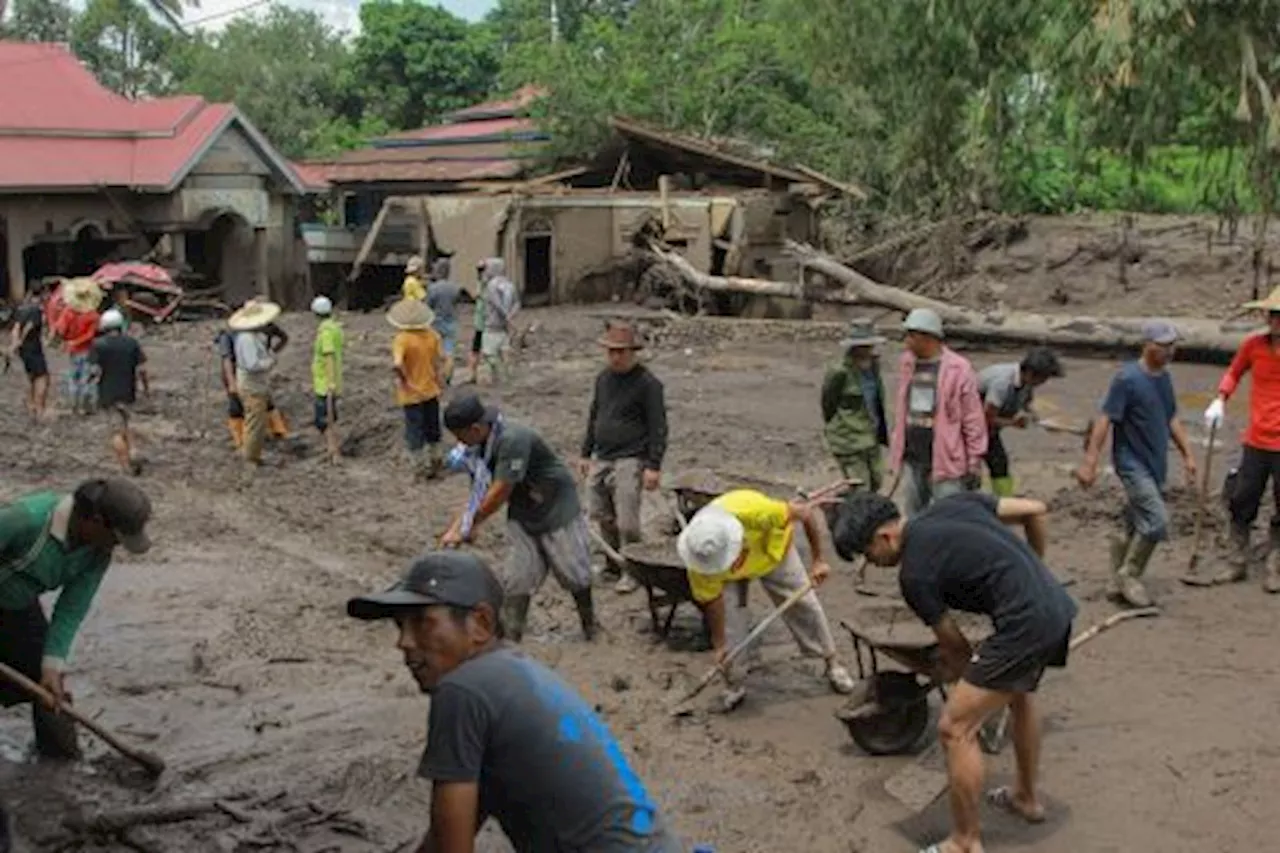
77, 326
1260, 444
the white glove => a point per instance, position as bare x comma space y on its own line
1214, 414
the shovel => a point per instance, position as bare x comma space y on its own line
1193, 576
153, 764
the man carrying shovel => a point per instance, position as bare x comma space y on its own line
746, 535
959, 555
1260, 444
1007, 391
51, 542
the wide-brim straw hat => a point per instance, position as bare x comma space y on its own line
81, 294
254, 314
1271, 303
621, 335
411, 315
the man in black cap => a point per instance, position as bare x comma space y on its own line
506, 737
959, 554
513, 465
59, 542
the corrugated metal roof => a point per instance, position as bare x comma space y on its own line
502, 107
484, 130
314, 175
428, 171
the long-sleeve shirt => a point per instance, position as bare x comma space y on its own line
1259, 356
853, 408
628, 418
254, 361
36, 557
959, 421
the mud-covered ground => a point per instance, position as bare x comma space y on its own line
227, 651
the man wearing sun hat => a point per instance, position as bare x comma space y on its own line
1141, 412
255, 359
77, 326
853, 407
418, 361
625, 441
746, 535
53, 541
1260, 444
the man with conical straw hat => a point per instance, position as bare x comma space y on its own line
1259, 445
254, 363
418, 361
77, 326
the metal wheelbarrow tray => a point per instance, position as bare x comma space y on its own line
889, 711
657, 568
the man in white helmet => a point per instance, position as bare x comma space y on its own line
117, 365
326, 372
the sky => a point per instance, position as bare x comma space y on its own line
342, 14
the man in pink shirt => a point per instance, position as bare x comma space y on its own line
940, 431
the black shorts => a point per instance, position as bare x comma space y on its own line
34, 364
1010, 667
477, 341
320, 413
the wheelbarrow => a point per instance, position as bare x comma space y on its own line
657, 568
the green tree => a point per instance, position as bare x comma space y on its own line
124, 46
38, 20
414, 62
282, 70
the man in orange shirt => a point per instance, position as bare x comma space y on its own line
419, 361
77, 326
1260, 444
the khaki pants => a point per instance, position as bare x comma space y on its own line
255, 425
613, 499
806, 618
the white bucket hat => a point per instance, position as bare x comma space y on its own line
712, 541
322, 305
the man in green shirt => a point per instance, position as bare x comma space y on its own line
59, 542
326, 372
853, 407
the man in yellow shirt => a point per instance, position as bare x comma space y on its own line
326, 372
418, 361
744, 535
413, 287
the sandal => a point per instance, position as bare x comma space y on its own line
1002, 798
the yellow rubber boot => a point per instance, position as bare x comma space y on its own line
1002, 487
236, 427
277, 425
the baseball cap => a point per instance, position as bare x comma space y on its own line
712, 541
466, 411
1159, 332
126, 509
437, 577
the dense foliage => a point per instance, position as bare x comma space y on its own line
935, 106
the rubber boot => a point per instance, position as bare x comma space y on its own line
515, 611
1002, 487
1271, 583
1237, 568
586, 613
236, 427
1135, 566
277, 426
435, 461
55, 735
1119, 550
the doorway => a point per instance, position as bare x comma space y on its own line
537, 269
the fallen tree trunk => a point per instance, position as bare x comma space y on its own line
1202, 339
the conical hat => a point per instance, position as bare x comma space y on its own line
81, 294
1271, 303
254, 314
411, 314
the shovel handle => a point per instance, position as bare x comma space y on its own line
1204, 496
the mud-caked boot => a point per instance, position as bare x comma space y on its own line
55, 735
515, 612
1237, 568
1135, 566
1119, 550
434, 462
1271, 581
586, 613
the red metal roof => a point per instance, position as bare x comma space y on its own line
472, 131
313, 174
61, 129
508, 107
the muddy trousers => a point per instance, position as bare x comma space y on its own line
255, 425
22, 636
1257, 467
614, 497
806, 619
565, 553
863, 465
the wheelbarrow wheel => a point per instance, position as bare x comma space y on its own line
892, 717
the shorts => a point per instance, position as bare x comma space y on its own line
494, 343
422, 424
320, 415
477, 341
34, 364
1006, 666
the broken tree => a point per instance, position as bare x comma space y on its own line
1202, 339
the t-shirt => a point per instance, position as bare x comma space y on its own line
77, 330
413, 288
548, 769
544, 497
118, 356
767, 536
999, 387
442, 297
416, 352
922, 403
958, 555
1141, 406
31, 316
329, 342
